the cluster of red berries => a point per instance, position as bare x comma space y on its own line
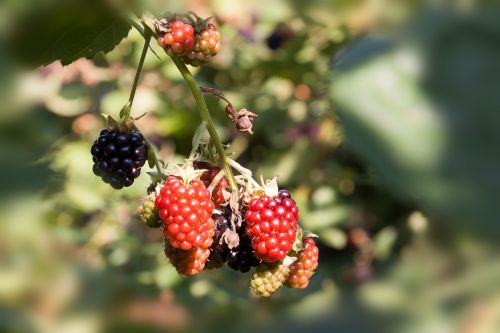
179, 40
193, 40
202, 231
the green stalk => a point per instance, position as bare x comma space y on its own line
125, 112
202, 107
147, 39
205, 116
210, 152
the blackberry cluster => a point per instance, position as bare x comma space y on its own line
118, 157
241, 258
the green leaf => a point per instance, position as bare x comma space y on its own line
66, 31
151, 157
423, 113
125, 113
198, 135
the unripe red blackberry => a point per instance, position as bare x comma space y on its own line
268, 278
272, 225
186, 210
178, 39
118, 157
208, 176
303, 268
207, 45
193, 39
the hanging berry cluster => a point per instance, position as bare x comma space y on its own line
190, 37
208, 216
256, 229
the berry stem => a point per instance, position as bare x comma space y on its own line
202, 106
145, 48
210, 151
125, 113
205, 116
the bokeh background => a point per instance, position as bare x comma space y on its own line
381, 117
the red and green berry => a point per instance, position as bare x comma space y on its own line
190, 37
207, 45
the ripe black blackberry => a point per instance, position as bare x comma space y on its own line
118, 157
219, 249
242, 258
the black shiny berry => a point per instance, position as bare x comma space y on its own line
241, 258
219, 250
118, 157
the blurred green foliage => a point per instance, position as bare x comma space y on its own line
424, 112
401, 187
